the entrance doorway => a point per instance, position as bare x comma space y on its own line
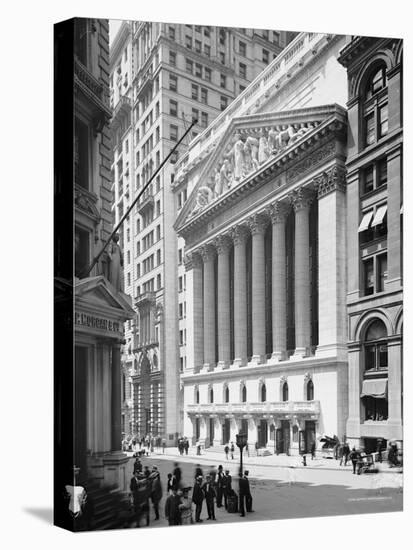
211, 431
309, 434
262, 434
283, 437
197, 429
226, 431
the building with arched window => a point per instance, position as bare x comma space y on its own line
374, 240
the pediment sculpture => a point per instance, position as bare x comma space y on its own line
246, 153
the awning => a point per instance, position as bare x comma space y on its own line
365, 222
375, 388
379, 216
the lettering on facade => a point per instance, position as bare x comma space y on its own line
91, 321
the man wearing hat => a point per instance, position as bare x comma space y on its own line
210, 494
244, 494
226, 487
197, 498
220, 485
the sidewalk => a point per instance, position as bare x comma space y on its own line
277, 461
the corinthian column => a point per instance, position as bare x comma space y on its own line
195, 330
116, 428
208, 256
257, 225
301, 200
278, 213
239, 236
223, 245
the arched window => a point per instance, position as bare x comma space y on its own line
244, 394
263, 393
375, 105
211, 395
310, 390
375, 347
285, 391
226, 394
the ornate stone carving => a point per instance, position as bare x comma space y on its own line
191, 260
278, 211
307, 377
86, 202
239, 234
257, 223
207, 252
310, 161
203, 197
333, 180
222, 244
301, 198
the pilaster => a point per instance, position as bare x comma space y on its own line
239, 236
223, 245
208, 256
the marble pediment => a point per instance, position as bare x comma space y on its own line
250, 143
98, 293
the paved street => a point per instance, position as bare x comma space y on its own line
283, 492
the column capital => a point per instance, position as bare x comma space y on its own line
333, 179
239, 234
278, 211
192, 259
257, 223
207, 251
222, 244
301, 198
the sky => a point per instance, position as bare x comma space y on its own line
114, 25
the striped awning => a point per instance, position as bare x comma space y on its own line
379, 215
365, 222
375, 388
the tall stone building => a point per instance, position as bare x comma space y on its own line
265, 242
374, 240
101, 308
163, 76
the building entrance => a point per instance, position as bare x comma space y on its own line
309, 434
226, 431
262, 434
283, 438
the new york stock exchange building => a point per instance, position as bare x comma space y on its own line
266, 229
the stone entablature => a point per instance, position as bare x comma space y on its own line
278, 407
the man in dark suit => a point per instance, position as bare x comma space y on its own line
210, 494
197, 498
220, 485
245, 498
226, 487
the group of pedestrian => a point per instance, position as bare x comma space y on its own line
229, 449
183, 445
145, 486
143, 445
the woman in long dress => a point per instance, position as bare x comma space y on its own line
186, 507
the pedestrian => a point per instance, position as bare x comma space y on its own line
156, 491
197, 498
177, 474
146, 472
172, 512
345, 454
198, 471
137, 465
379, 450
220, 485
209, 492
140, 488
354, 456
198, 448
186, 507
245, 498
163, 446
169, 484
186, 446
227, 487
312, 450
226, 450
232, 450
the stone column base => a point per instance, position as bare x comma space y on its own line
239, 362
279, 356
222, 365
208, 367
338, 351
115, 470
258, 359
299, 353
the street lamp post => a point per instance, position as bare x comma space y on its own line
241, 440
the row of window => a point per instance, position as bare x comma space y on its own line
284, 393
149, 286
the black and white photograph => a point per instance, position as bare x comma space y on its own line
237, 277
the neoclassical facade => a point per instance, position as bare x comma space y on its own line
265, 237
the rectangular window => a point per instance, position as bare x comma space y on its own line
265, 56
204, 96
158, 232
265, 34
173, 132
207, 32
158, 257
381, 271
243, 70
189, 66
195, 114
173, 83
180, 256
157, 109
204, 119
370, 129
368, 179
180, 310
180, 284
224, 103
243, 49
207, 50
172, 58
223, 81
128, 279
159, 281
222, 57
368, 269
82, 154
198, 46
276, 37
383, 120
173, 107
171, 32
207, 73
188, 42
158, 208
381, 172
194, 92
198, 28
198, 70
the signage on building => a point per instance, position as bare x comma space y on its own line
86, 320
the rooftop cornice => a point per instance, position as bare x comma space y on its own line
356, 47
118, 44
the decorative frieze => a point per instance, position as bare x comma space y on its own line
311, 161
332, 180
